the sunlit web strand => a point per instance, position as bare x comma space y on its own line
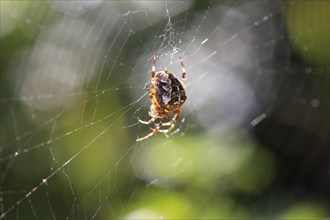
197, 29
100, 182
71, 132
45, 180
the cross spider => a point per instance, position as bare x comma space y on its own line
167, 96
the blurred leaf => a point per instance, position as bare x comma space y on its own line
308, 23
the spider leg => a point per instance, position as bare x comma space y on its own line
149, 92
166, 124
183, 71
152, 133
171, 124
150, 121
160, 130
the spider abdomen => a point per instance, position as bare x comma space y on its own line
169, 91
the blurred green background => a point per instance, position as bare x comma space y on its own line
253, 139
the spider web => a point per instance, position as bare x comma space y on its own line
252, 140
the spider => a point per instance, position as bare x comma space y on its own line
167, 96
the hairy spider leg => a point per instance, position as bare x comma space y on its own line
173, 122
170, 123
150, 121
183, 71
153, 132
149, 92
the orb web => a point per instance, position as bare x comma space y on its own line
73, 80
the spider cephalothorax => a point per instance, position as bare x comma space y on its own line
167, 96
